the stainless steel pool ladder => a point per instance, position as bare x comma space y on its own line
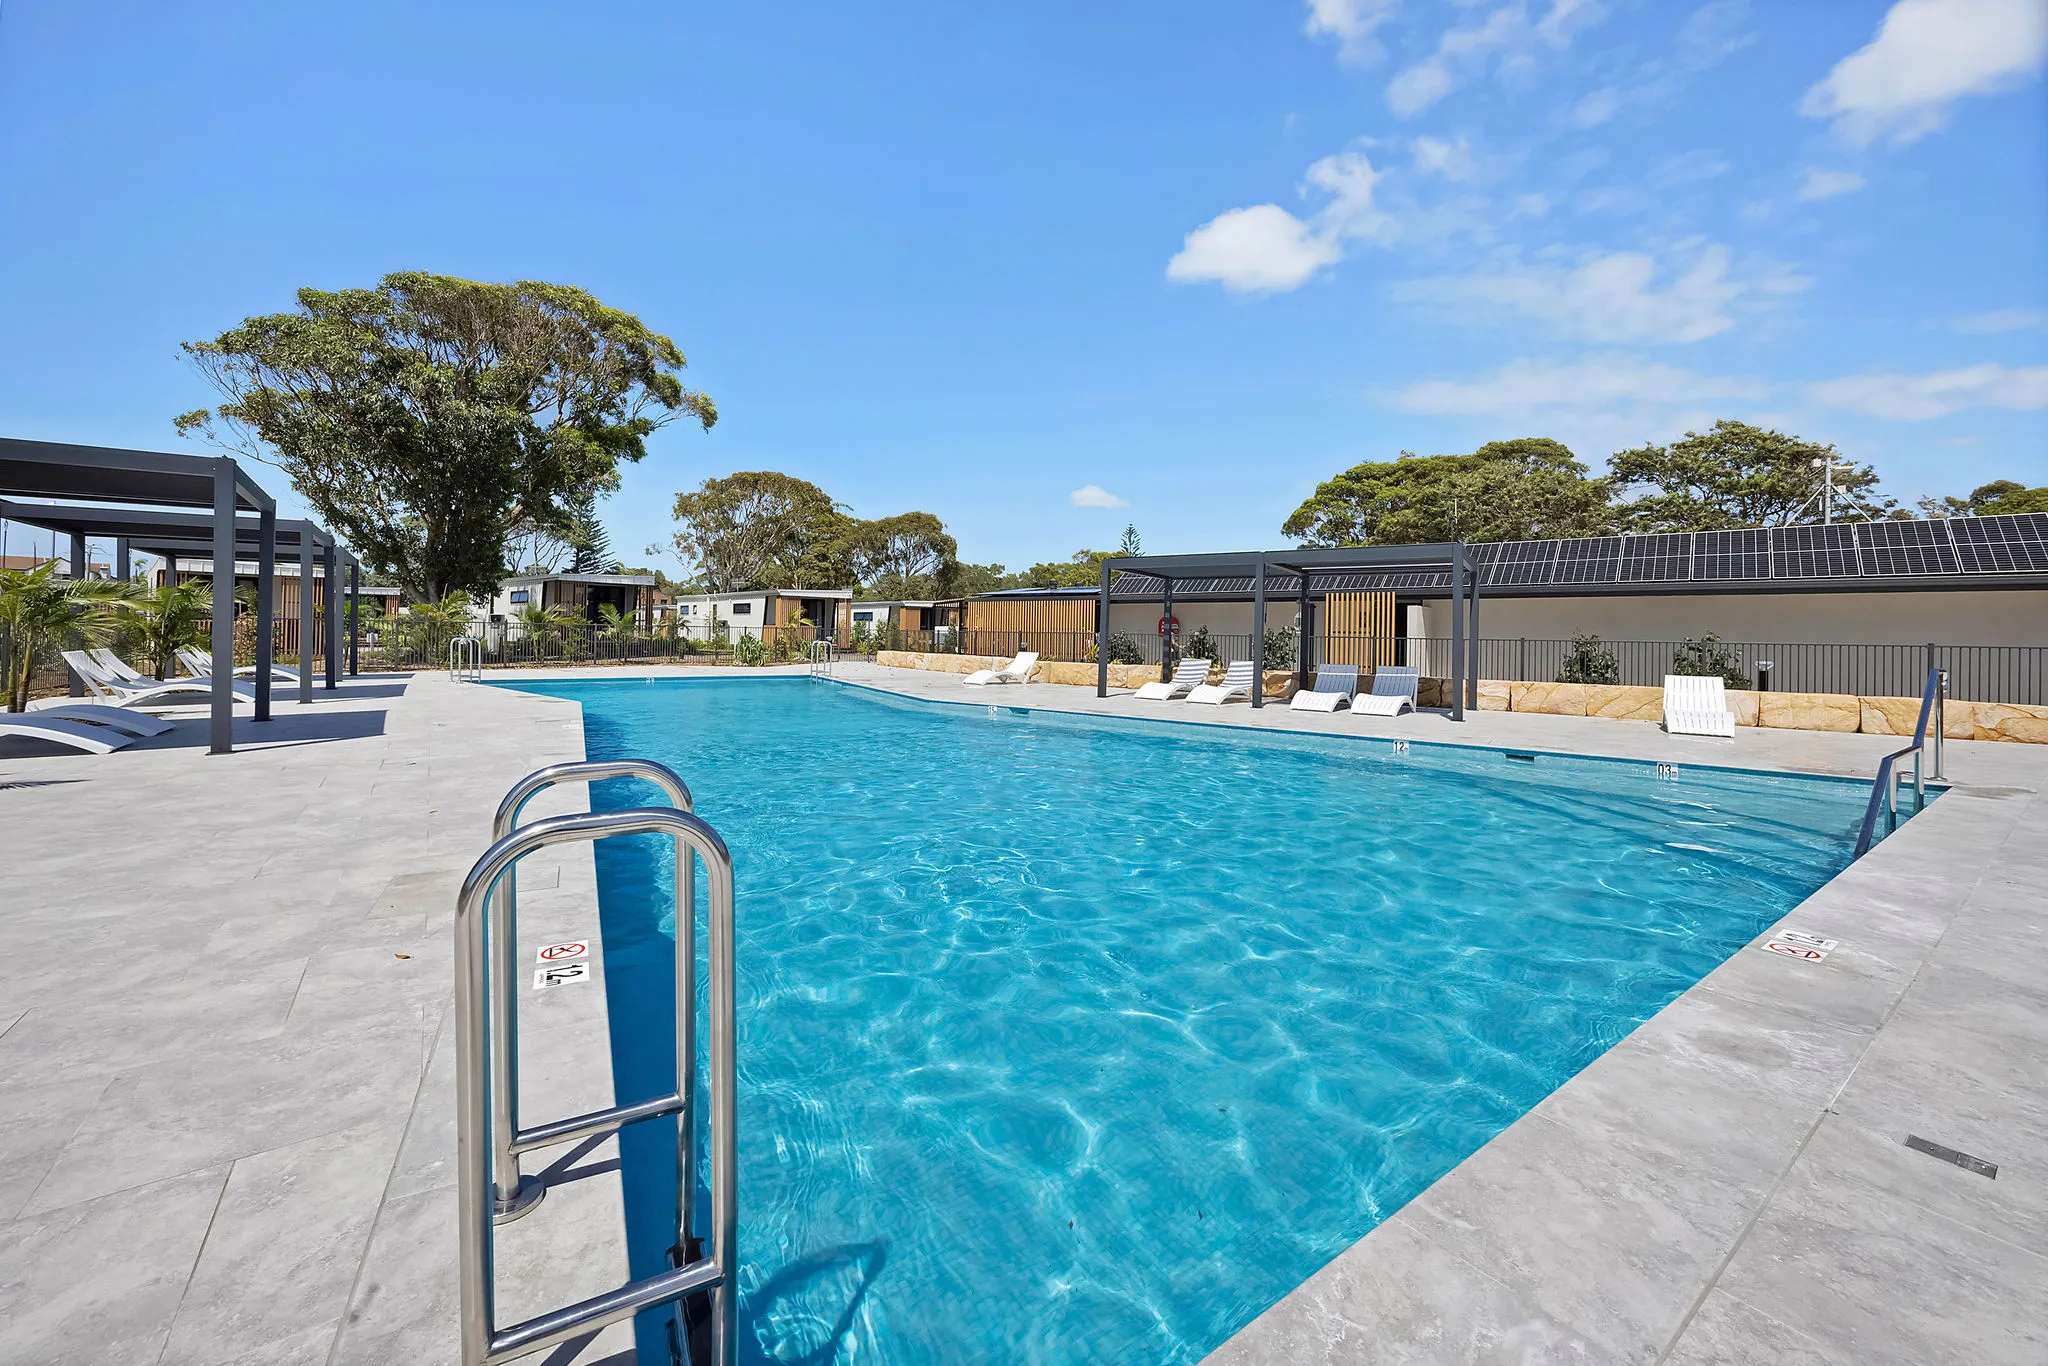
1884, 790
489, 1141
824, 658
465, 660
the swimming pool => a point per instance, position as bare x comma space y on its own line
1070, 1039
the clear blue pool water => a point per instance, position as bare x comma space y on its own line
1068, 1040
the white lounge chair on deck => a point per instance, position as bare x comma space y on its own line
1188, 674
99, 714
1238, 681
122, 692
1335, 685
76, 734
1393, 691
201, 665
1697, 705
1017, 670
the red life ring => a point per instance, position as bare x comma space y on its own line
1169, 622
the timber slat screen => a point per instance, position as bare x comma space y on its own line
1358, 628
1057, 628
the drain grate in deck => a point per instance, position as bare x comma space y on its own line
1960, 1159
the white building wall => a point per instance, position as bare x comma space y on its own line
1963, 617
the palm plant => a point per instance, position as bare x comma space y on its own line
619, 626
543, 625
38, 611
166, 618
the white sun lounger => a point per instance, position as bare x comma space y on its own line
1393, 691
76, 734
117, 718
1188, 674
1335, 684
201, 665
1697, 706
120, 692
1017, 670
1238, 680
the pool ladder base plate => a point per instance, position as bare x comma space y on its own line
531, 1190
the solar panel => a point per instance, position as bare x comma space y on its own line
1516, 562
1814, 552
1592, 559
1905, 548
2001, 545
1663, 558
1723, 555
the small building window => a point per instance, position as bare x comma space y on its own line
863, 616
743, 609
518, 596
686, 609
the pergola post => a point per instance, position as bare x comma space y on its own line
305, 613
1259, 635
1102, 635
1472, 636
1458, 634
1166, 632
330, 599
222, 729
1301, 634
355, 614
123, 569
78, 572
266, 605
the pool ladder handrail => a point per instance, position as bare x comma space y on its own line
488, 1139
824, 658
465, 660
1884, 789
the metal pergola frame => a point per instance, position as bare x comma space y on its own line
1170, 569
216, 485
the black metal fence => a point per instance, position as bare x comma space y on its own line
1978, 673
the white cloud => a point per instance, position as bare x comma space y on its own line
1607, 297
1265, 249
2004, 320
1260, 250
1532, 205
1913, 398
1688, 168
1506, 36
1451, 160
1352, 24
1095, 496
1927, 55
1597, 108
1529, 386
1822, 183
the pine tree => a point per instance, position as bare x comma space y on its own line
587, 537
1130, 545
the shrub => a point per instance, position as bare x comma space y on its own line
1280, 649
1589, 662
1200, 645
1123, 649
749, 650
1707, 657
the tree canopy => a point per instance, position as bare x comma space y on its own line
749, 529
892, 555
590, 546
1737, 475
1523, 489
424, 418
1989, 500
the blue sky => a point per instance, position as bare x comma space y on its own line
974, 259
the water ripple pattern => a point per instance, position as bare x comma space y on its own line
1073, 1040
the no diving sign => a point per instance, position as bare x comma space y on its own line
560, 975
560, 953
1809, 948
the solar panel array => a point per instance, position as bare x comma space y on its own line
2012, 544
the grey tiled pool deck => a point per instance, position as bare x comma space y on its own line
226, 1101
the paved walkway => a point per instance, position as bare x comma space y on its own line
228, 1124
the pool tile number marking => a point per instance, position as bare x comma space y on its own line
557, 953
1799, 944
1400, 746
560, 975
1667, 770
1946, 1154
